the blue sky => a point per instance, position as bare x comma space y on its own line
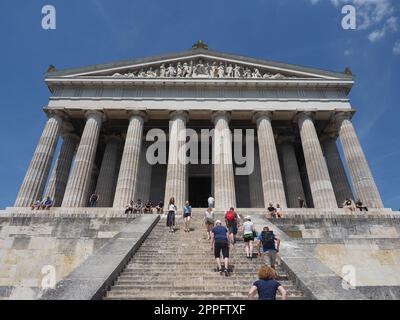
304, 32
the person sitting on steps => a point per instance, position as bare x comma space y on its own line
279, 212
272, 210
360, 206
36, 205
47, 204
138, 207
160, 207
148, 207
129, 207
349, 205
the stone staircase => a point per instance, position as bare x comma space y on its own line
180, 265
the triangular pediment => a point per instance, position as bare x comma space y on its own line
200, 64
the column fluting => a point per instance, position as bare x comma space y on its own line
176, 172
273, 187
361, 176
76, 193
36, 177
224, 182
128, 172
317, 170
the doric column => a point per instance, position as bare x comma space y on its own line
76, 193
106, 181
59, 177
127, 177
273, 188
35, 179
176, 172
144, 176
363, 181
317, 170
294, 185
340, 183
255, 184
224, 182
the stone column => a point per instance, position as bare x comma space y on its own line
294, 186
92, 184
363, 181
255, 184
127, 177
224, 180
59, 177
340, 183
317, 170
106, 181
144, 176
273, 188
36, 177
176, 172
76, 193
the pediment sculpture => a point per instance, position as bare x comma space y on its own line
201, 69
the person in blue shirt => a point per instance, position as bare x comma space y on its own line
187, 215
270, 245
220, 242
266, 286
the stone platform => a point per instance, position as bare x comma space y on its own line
316, 248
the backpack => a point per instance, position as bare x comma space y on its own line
230, 216
268, 239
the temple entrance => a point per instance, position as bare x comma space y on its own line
199, 191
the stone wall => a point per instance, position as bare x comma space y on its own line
30, 241
369, 244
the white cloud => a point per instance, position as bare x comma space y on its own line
396, 48
348, 52
390, 25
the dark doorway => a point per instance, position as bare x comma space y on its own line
199, 191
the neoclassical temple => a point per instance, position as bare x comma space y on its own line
102, 115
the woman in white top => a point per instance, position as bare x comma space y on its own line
248, 236
209, 221
171, 214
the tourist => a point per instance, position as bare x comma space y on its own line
270, 245
93, 200
138, 207
220, 242
272, 210
349, 204
148, 207
232, 223
360, 206
279, 212
129, 207
171, 214
160, 207
266, 286
47, 203
211, 201
187, 215
36, 205
302, 203
209, 221
249, 231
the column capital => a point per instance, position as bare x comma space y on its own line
183, 114
257, 116
220, 114
339, 117
58, 115
99, 116
303, 115
138, 114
